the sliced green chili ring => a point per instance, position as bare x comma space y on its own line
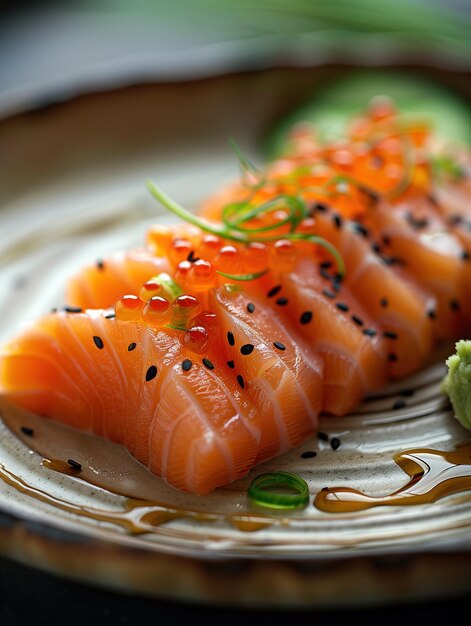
259, 493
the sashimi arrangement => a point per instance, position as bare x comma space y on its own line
297, 290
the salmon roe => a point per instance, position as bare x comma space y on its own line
157, 311
201, 275
129, 308
196, 339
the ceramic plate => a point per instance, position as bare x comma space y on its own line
73, 190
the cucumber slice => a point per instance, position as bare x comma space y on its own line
330, 110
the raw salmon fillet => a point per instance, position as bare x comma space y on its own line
298, 290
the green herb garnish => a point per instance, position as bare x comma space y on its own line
236, 215
280, 490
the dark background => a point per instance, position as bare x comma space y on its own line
28, 596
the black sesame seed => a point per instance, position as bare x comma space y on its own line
322, 436
455, 220
247, 349
207, 363
360, 229
337, 221
230, 364
251, 307
322, 208
328, 294
325, 265
100, 265
274, 291
384, 302
432, 314
369, 332
240, 380
186, 365
392, 357
98, 341
282, 301
464, 256
335, 443
399, 404
372, 195
376, 248
342, 306
325, 274
416, 223
230, 338
308, 454
191, 257
454, 305
358, 321
407, 393
389, 334
386, 239
306, 317
393, 260
110, 316
337, 282
151, 373
75, 465
279, 346
72, 309
132, 346
26, 430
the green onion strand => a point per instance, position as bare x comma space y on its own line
265, 491
187, 216
243, 277
245, 163
234, 230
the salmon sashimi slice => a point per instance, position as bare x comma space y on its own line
416, 237
229, 334
340, 331
98, 286
401, 307
280, 373
131, 383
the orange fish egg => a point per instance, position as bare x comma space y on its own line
182, 270
284, 254
156, 311
184, 308
208, 319
201, 276
381, 108
255, 257
209, 247
150, 289
196, 339
129, 308
228, 260
179, 250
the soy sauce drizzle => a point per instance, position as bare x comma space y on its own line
139, 516
433, 474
